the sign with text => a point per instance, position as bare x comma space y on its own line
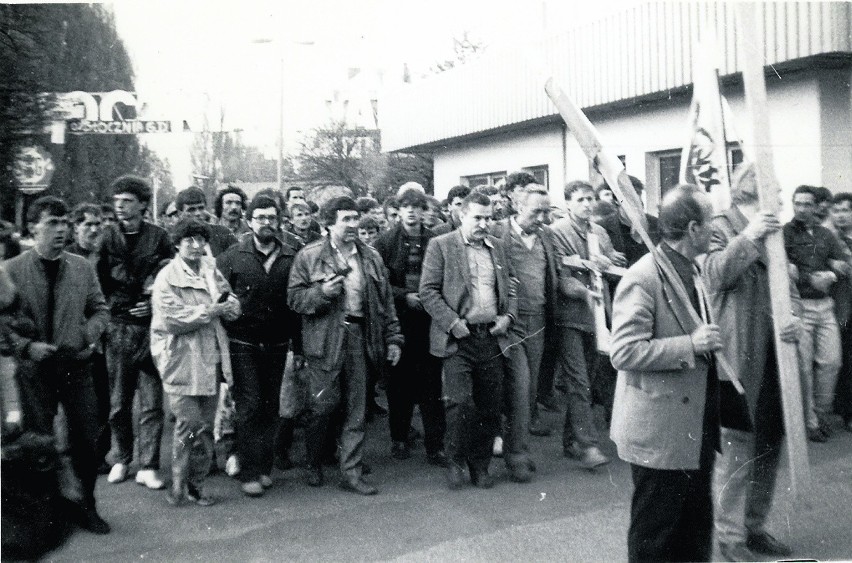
89, 127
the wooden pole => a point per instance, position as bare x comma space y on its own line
750, 38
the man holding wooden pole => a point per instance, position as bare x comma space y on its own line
752, 424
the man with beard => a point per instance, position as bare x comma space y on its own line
467, 287
257, 270
230, 206
135, 250
340, 288
192, 202
530, 248
417, 377
60, 295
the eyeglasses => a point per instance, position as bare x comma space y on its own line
265, 218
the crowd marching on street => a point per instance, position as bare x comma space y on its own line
261, 320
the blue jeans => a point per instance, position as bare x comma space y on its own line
128, 359
819, 359
258, 370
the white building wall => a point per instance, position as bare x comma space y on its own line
809, 124
507, 152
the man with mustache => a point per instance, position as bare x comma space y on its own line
257, 269
467, 287
230, 205
340, 288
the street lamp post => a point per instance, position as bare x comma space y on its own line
279, 168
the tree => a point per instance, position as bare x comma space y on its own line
338, 155
62, 48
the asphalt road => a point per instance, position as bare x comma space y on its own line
566, 513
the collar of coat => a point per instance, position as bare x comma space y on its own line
179, 274
246, 244
363, 252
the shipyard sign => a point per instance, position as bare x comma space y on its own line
118, 127
106, 113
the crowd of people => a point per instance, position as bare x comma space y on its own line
483, 311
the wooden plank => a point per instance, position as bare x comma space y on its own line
750, 36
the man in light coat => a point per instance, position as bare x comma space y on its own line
666, 409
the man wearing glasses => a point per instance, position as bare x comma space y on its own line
257, 269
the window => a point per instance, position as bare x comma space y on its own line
663, 171
490, 178
540, 173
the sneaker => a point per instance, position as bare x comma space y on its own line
593, 458
232, 466
252, 489
498, 447
265, 481
117, 474
199, 498
150, 479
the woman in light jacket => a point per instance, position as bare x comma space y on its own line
189, 347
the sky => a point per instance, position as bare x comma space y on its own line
224, 58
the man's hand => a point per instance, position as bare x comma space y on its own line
619, 259
394, 354
40, 351
299, 362
706, 338
460, 329
822, 281
601, 261
761, 225
793, 272
790, 333
413, 301
141, 309
332, 287
501, 325
231, 308
840, 267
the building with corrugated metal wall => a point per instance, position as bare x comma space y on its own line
631, 72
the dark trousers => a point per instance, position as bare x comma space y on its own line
416, 379
843, 391
45, 386
472, 394
100, 380
520, 386
128, 360
671, 515
577, 359
257, 370
328, 390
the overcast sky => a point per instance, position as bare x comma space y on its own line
192, 55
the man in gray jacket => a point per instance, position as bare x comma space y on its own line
61, 296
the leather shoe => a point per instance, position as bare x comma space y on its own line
763, 542
400, 450
481, 479
199, 498
573, 451
359, 486
735, 552
816, 435
455, 476
520, 474
438, 458
314, 476
92, 522
540, 431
